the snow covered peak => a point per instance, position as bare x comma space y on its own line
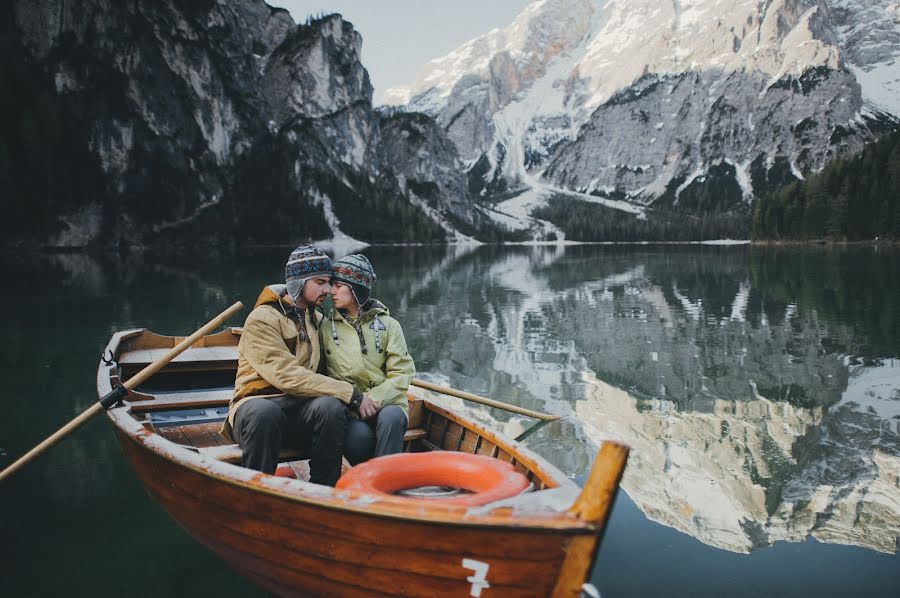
543, 30
607, 44
646, 36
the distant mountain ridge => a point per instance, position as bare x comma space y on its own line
641, 100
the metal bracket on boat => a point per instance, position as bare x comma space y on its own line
111, 360
114, 397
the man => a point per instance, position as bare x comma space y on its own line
279, 398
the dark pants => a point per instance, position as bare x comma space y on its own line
376, 436
317, 426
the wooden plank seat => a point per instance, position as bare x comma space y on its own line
231, 453
144, 357
194, 358
192, 399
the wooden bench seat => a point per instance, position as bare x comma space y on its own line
414, 434
231, 453
191, 399
141, 358
194, 359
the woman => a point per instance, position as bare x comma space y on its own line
365, 346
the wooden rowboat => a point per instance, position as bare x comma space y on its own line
295, 538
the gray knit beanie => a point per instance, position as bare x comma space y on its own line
356, 271
305, 262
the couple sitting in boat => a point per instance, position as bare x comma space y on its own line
330, 386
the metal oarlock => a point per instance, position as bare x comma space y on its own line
114, 397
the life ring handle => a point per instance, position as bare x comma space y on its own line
485, 478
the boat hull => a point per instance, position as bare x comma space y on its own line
295, 547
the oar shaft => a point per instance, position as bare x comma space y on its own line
129, 384
483, 400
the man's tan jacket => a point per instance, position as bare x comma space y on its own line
276, 360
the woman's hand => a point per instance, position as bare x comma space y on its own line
367, 408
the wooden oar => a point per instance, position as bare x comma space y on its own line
483, 400
113, 397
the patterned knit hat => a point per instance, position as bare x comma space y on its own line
356, 271
307, 261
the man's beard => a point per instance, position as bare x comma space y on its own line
312, 301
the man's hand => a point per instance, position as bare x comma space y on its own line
367, 408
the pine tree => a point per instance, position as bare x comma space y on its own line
817, 214
893, 172
837, 227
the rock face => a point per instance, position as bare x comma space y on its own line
222, 122
639, 100
663, 133
428, 167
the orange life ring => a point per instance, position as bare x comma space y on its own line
486, 478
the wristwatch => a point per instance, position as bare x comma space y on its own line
355, 400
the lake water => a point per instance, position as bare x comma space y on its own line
759, 390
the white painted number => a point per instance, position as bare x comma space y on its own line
479, 579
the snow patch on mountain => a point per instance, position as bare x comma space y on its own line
515, 213
868, 32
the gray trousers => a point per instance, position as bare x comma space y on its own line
376, 436
317, 426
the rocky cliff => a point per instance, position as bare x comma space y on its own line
207, 123
666, 103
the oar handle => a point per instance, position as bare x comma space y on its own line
483, 400
109, 399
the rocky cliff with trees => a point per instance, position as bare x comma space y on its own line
207, 124
851, 199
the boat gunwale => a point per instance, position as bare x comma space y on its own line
318, 496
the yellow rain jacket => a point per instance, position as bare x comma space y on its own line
385, 370
276, 359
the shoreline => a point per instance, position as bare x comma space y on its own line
84, 250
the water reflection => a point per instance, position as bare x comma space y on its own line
759, 388
760, 406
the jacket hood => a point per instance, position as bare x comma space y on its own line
271, 294
370, 309
374, 307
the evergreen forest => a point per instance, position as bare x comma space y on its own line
852, 199
583, 220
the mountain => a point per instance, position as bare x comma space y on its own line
208, 124
659, 104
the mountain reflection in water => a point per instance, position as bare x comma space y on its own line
754, 415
